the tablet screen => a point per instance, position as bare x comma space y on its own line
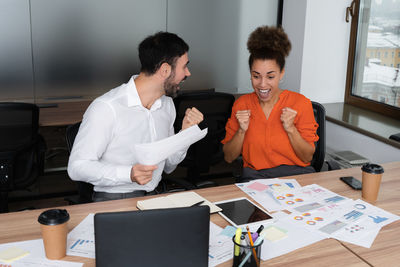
242, 211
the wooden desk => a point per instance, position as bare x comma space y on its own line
65, 113
23, 225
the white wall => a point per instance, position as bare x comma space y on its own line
318, 62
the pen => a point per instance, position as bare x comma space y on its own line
260, 229
197, 204
252, 244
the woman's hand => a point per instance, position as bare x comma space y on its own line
287, 118
243, 117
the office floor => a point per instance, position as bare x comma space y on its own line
54, 186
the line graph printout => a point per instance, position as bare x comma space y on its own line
80, 240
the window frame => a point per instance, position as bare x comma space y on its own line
354, 100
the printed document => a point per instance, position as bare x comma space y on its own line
155, 152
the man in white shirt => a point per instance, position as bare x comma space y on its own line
136, 112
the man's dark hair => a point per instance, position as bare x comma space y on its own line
162, 47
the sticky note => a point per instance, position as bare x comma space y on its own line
228, 231
11, 254
274, 234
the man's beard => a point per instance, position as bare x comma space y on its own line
171, 88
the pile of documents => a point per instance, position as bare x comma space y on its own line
318, 211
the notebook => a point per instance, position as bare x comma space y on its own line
185, 199
164, 237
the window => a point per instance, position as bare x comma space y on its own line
374, 83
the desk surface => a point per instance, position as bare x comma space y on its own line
23, 225
64, 113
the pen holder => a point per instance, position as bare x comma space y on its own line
245, 255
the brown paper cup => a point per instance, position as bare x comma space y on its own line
55, 240
371, 181
370, 186
53, 225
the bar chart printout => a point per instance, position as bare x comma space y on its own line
81, 239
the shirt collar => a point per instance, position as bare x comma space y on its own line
133, 96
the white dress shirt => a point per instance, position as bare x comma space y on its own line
103, 152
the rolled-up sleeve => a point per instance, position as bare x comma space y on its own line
306, 124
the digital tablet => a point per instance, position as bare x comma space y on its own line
241, 212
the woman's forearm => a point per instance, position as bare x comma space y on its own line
233, 148
303, 150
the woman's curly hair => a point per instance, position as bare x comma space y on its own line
269, 43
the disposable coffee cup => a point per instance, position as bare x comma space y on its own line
53, 224
371, 181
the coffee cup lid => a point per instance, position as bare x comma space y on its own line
53, 217
372, 168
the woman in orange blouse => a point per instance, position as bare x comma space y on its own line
273, 129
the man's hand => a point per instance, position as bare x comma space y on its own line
142, 174
192, 116
287, 117
243, 117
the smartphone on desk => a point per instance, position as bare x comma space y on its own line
352, 182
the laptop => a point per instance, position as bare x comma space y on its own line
351, 157
161, 237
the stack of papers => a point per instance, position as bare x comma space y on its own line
320, 211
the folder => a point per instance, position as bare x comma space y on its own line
177, 200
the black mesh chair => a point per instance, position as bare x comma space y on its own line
319, 154
85, 190
22, 148
216, 108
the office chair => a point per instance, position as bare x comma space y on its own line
22, 148
85, 190
216, 108
319, 154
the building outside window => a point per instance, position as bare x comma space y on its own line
374, 82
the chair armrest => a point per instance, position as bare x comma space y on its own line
333, 165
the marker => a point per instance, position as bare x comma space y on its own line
237, 241
254, 236
252, 244
260, 229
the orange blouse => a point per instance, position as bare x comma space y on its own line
266, 143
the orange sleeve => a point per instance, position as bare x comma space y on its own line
306, 124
